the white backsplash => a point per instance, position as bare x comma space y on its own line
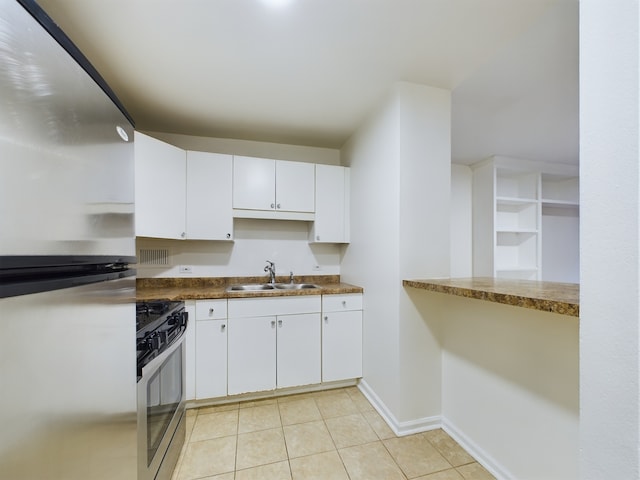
283, 242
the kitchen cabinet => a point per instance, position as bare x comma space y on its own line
160, 183
510, 200
210, 348
273, 343
265, 188
341, 337
209, 213
181, 195
331, 224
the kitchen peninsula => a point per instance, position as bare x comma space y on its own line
509, 352
553, 297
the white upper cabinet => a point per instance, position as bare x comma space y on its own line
160, 181
265, 188
331, 223
208, 208
182, 195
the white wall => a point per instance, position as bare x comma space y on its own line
609, 235
371, 259
283, 242
510, 390
400, 180
461, 221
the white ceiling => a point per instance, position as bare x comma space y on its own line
308, 73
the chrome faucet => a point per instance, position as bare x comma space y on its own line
271, 270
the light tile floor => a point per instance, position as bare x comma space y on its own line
329, 435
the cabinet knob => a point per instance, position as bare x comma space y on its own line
183, 234
280, 323
273, 323
317, 237
228, 235
326, 319
273, 205
222, 327
344, 303
278, 206
211, 311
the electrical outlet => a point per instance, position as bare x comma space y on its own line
185, 269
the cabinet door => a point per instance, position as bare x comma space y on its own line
331, 224
209, 213
295, 186
160, 182
251, 354
253, 183
298, 350
211, 358
341, 345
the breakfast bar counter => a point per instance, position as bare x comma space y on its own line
562, 298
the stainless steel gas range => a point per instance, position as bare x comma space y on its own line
160, 326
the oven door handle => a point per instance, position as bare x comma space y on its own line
157, 362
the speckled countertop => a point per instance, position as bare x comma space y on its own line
200, 288
562, 298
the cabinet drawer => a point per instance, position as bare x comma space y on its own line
343, 302
259, 307
211, 309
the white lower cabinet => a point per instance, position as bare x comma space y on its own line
273, 343
211, 348
298, 350
248, 345
252, 354
341, 337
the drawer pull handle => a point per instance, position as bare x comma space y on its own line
211, 311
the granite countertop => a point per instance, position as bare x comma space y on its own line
201, 288
562, 298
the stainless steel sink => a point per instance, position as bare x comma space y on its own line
251, 287
294, 286
260, 287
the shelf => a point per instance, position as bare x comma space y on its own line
516, 231
516, 184
559, 203
515, 200
518, 273
517, 216
560, 189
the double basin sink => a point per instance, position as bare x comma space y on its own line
260, 287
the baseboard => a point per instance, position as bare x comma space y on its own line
481, 456
399, 428
431, 423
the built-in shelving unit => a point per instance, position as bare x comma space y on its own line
524, 212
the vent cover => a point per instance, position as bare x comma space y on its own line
154, 257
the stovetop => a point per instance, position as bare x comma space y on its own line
150, 311
158, 325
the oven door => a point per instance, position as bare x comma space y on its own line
161, 419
